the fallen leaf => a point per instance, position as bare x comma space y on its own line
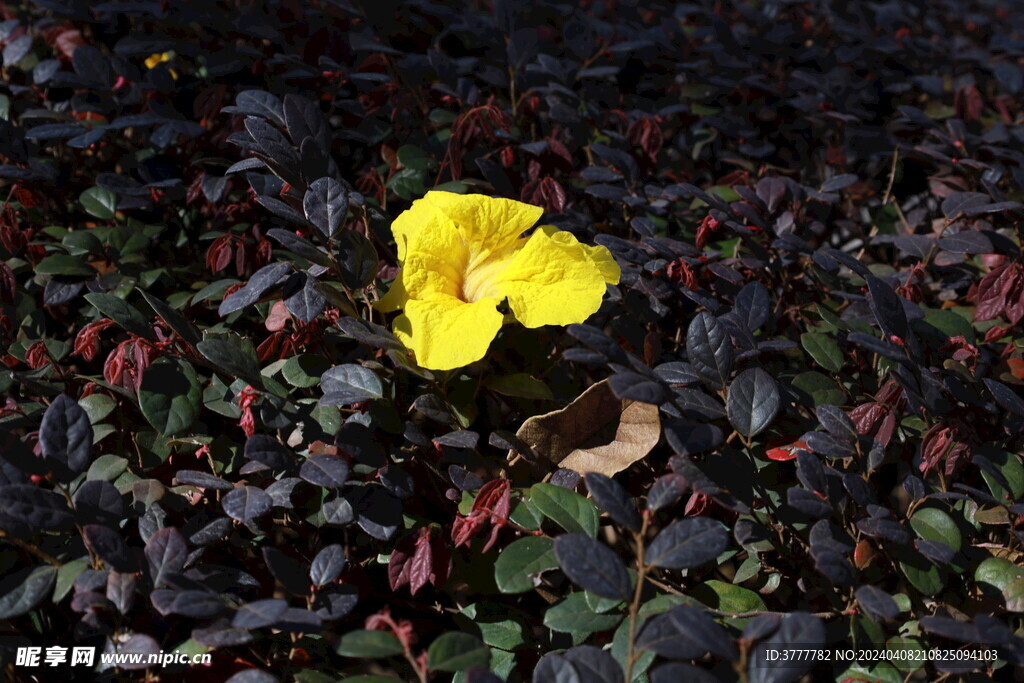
595, 433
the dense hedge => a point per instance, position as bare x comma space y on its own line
811, 430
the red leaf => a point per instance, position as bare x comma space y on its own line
990, 295
944, 444
874, 420
1015, 298
465, 528
786, 452
278, 317
7, 283
968, 103
68, 41
419, 559
490, 495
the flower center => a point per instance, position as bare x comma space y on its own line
480, 280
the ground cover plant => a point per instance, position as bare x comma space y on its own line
733, 363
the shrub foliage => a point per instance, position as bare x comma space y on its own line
810, 432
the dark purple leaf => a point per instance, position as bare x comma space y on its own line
593, 566
878, 604
325, 205
166, 553
65, 436
247, 503
555, 667
687, 543
99, 502
709, 350
33, 507
202, 479
269, 451
108, 545
259, 614
327, 565
594, 664
691, 438
329, 471
753, 401
666, 491
613, 499
633, 386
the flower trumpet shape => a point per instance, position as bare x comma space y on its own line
462, 255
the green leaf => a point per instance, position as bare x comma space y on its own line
1013, 594
122, 313
304, 370
496, 628
620, 651
821, 389
66, 575
21, 591
314, 676
996, 573
823, 349
1009, 465
236, 358
456, 651
411, 156
914, 655
369, 644
920, 572
62, 264
568, 509
521, 561
97, 406
407, 184
170, 395
727, 597
107, 467
525, 515
519, 385
747, 570
932, 524
951, 324
877, 672
572, 615
99, 202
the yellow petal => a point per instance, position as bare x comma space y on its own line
605, 262
431, 251
599, 255
425, 274
488, 225
395, 297
554, 280
421, 222
446, 333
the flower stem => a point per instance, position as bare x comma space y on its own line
634, 606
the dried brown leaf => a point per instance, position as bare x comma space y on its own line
595, 433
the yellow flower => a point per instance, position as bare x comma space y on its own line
158, 58
462, 255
